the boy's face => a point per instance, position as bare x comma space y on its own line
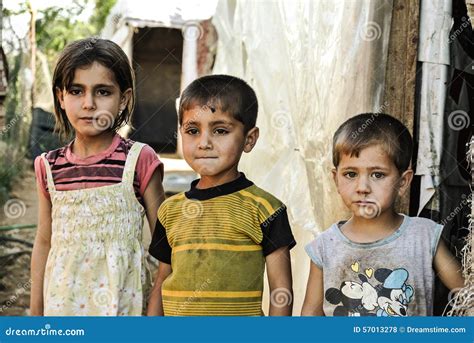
213, 143
369, 184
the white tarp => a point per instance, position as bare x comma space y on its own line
313, 64
433, 51
126, 15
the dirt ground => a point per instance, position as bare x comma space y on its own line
16, 246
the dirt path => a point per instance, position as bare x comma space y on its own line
15, 256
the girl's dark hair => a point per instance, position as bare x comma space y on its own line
82, 53
224, 92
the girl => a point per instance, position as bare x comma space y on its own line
93, 193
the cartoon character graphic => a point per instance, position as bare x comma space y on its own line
388, 298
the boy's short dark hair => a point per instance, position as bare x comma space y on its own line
368, 129
224, 92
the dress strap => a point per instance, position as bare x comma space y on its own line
49, 174
131, 162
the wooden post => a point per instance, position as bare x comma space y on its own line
32, 39
399, 91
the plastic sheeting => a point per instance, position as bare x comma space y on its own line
313, 64
435, 23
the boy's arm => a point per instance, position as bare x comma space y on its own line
280, 281
155, 303
313, 301
447, 267
153, 197
40, 253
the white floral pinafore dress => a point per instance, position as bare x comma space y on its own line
96, 265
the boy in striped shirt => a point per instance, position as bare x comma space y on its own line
215, 240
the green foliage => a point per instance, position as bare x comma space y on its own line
102, 9
55, 28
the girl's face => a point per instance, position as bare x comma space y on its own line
93, 101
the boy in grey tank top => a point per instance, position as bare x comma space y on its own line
379, 262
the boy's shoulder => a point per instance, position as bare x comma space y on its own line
178, 197
252, 197
256, 196
419, 223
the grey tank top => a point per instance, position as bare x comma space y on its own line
390, 277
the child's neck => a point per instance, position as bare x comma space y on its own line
86, 146
365, 230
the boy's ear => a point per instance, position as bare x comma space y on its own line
251, 139
125, 98
405, 181
60, 96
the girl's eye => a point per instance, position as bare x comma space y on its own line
350, 175
221, 131
378, 175
103, 92
74, 91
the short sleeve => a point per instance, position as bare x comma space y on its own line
159, 247
41, 179
438, 230
277, 232
147, 163
314, 251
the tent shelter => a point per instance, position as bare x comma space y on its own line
314, 64
170, 44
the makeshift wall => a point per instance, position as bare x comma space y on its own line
313, 64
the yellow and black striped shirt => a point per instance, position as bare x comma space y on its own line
216, 240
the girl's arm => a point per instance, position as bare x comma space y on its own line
448, 267
280, 281
155, 303
40, 254
153, 197
313, 301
